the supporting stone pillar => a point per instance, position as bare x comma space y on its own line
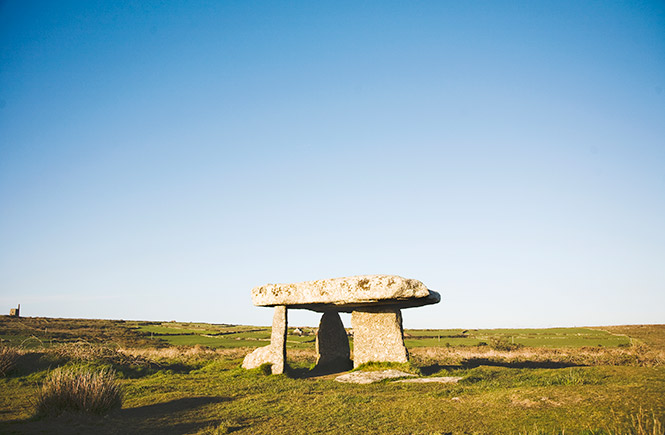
378, 336
278, 339
275, 353
332, 344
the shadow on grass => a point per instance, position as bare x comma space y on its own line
34, 362
306, 372
166, 408
477, 362
159, 418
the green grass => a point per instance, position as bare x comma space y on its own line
219, 397
579, 388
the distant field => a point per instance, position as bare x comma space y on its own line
241, 336
31, 332
552, 337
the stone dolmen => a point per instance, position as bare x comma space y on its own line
375, 303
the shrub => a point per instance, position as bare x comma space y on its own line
79, 390
500, 343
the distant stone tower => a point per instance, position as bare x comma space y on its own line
15, 312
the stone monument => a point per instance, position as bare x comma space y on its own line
375, 303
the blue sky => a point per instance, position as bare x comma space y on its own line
160, 159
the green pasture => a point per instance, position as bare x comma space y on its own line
247, 336
191, 328
239, 337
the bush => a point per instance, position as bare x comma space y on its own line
8, 357
79, 390
503, 344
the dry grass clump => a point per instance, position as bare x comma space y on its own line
184, 353
8, 357
644, 424
305, 356
640, 423
82, 351
94, 392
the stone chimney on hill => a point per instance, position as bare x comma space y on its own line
15, 312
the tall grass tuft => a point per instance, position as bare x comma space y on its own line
645, 424
79, 390
8, 357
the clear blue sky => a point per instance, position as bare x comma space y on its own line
160, 159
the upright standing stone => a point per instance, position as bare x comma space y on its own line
278, 339
275, 353
378, 336
332, 344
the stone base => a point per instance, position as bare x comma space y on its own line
378, 336
332, 344
263, 355
275, 353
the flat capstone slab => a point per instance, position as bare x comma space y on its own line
346, 294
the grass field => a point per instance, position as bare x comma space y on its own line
237, 336
39, 332
185, 378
